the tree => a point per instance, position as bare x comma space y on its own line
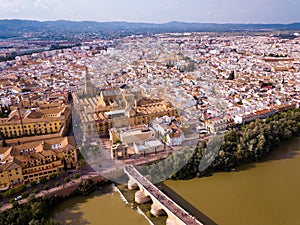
86, 186
4, 144
65, 165
25, 194
53, 176
21, 188
246, 143
9, 192
33, 183
43, 180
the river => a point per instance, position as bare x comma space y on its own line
101, 208
262, 193
266, 192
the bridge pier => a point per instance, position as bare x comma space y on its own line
156, 209
132, 185
141, 197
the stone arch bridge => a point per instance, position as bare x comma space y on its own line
162, 204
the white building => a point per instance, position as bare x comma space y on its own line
147, 147
176, 138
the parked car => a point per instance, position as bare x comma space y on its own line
18, 198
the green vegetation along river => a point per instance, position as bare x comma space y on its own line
266, 192
100, 208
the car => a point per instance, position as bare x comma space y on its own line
18, 198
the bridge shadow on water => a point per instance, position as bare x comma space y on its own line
186, 205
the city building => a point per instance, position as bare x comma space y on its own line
219, 124
35, 160
113, 109
38, 121
128, 135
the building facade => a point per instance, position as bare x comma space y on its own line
35, 160
39, 121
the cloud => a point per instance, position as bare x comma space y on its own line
245, 11
10, 7
41, 4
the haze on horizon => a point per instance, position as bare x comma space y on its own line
157, 11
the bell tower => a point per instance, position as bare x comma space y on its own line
88, 87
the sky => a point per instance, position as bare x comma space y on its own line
157, 11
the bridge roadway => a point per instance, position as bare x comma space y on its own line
175, 209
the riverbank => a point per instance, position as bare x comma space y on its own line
265, 192
244, 144
26, 210
62, 190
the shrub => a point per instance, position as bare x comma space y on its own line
56, 184
67, 179
86, 186
21, 188
12, 200
53, 176
76, 176
9, 192
43, 180
15, 204
33, 183
46, 187
35, 191
25, 194
31, 197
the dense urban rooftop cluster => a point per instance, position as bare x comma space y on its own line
206, 76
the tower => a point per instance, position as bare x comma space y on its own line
88, 87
